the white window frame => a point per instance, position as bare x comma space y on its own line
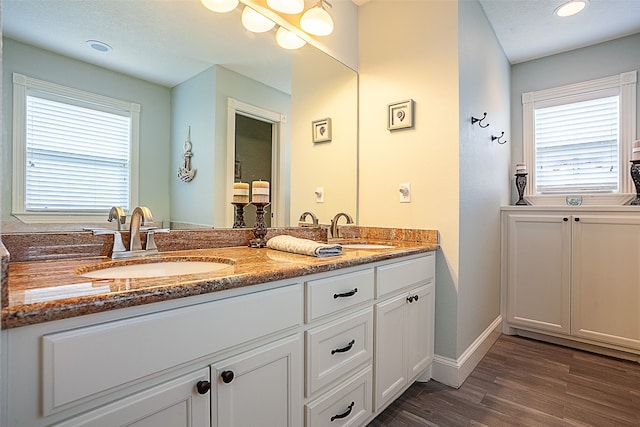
21, 86
625, 84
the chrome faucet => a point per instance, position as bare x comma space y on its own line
139, 216
334, 223
314, 219
117, 213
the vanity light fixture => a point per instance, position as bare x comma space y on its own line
287, 6
220, 6
570, 8
255, 21
288, 40
317, 20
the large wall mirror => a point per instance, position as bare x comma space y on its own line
182, 64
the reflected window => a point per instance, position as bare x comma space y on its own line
75, 150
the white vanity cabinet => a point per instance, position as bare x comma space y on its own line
574, 274
404, 314
134, 369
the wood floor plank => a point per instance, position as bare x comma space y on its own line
524, 382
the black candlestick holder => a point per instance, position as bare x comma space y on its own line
260, 228
521, 183
238, 221
635, 176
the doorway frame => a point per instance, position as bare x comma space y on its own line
278, 123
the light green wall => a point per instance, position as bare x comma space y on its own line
155, 114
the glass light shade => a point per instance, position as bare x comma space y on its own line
288, 40
220, 6
286, 6
570, 8
255, 21
317, 21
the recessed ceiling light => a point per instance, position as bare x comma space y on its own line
570, 8
99, 46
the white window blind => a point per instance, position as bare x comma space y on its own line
77, 157
576, 146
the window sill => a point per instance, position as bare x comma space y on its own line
618, 199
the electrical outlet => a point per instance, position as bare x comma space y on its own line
405, 193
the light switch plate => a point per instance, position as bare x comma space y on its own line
319, 194
405, 192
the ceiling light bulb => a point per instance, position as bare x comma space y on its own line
317, 21
288, 40
571, 8
255, 21
220, 6
287, 6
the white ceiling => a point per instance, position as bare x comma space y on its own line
528, 29
169, 41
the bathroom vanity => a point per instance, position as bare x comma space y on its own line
275, 339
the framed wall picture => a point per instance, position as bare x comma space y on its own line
400, 115
321, 130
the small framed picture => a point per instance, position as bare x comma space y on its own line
237, 172
400, 115
321, 130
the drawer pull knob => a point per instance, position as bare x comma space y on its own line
203, 387
565, 219
576, 219
346, 294
344, 414
410, 299
413, 298
227, 376
344, 349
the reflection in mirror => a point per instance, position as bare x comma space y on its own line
189, 91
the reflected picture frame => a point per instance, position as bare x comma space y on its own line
400, 115
321, 130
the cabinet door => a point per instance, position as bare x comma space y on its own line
391, 345
260, 387
420, 329
175, 403
606, 279
538, 272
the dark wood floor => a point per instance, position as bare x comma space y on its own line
523, 382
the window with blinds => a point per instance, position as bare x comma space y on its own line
75, 153
577, 146
577, 139
77, 158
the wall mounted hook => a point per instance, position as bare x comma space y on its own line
479, 121
494, 138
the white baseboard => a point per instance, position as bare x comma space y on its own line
453, 372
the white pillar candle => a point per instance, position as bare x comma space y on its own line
260, 191
240, 192
521, 168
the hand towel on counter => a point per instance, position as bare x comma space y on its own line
303, 246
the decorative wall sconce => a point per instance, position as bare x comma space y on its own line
479, 121
317, 20
497, 138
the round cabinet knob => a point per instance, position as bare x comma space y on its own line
416, 297
227, 376
577, 219
203, 387
565, 219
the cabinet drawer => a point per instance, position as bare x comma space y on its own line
332, 294
347, 405
335, 349
394, 277
82, 364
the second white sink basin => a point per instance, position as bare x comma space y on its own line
155, 269
366, 246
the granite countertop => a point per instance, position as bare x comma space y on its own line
53, 289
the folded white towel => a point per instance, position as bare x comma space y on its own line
303, 246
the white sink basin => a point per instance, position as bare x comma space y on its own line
155, 269
366, 246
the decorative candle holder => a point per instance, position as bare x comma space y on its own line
260, 228
521, 183
238, 221
635, 176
